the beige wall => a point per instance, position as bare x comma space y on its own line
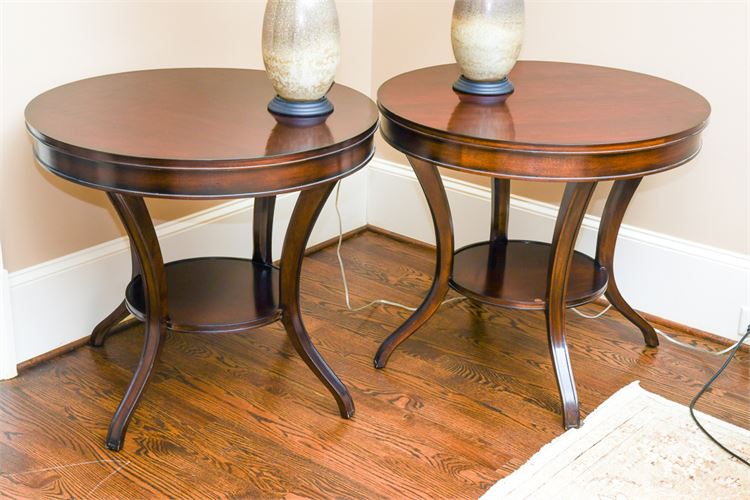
702, 45
45, 44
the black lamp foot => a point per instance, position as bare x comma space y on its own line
499, 87
280, 106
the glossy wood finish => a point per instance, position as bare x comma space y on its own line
614, 211
202, 133
105, 326
109, 324
572, 209
461, 405
601, 124
196, 133
515, 273
616, 124
137, 222
306, 211
214, 295
432, 185
500, 209
263, 229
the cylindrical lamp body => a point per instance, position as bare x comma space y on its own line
486, 36
301, 47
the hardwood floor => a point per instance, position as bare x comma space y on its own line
464, 402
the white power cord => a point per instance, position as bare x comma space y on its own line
666, 337
593, 316
343, 272
409, 308
733, 348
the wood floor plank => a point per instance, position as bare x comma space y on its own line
463, 402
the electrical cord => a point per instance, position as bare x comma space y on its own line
593, 316
706, 387
343, 272
666, 337
734, 348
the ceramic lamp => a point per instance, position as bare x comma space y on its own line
301, 51
486, 36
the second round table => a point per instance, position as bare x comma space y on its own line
571, 123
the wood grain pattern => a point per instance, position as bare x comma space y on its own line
214, 295
194, 132
564, 122
240, 415
514, 274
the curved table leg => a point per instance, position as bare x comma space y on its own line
500, 209
107, 325
263, 229
306, 211
614, 211
432, 185
498, 234
572, 209
134, 215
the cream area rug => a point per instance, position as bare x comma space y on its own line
635, 445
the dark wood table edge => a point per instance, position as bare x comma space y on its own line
499, 155
168, 164
539, 148
365, 144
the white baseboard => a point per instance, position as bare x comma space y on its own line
60, 301
686, 282
7, 335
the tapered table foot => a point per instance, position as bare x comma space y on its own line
614, 211
572, 210
104, 328
306, 211
134, 216
432, 185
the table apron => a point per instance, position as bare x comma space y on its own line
205, 183
541, 165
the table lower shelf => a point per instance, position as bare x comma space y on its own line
514, 274
214, 295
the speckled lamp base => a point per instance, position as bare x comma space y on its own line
301, 51
486, 37
494, 88
302, 109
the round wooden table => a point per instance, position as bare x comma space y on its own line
570, 123
202, 134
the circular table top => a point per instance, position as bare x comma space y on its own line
563, 115
194, 132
